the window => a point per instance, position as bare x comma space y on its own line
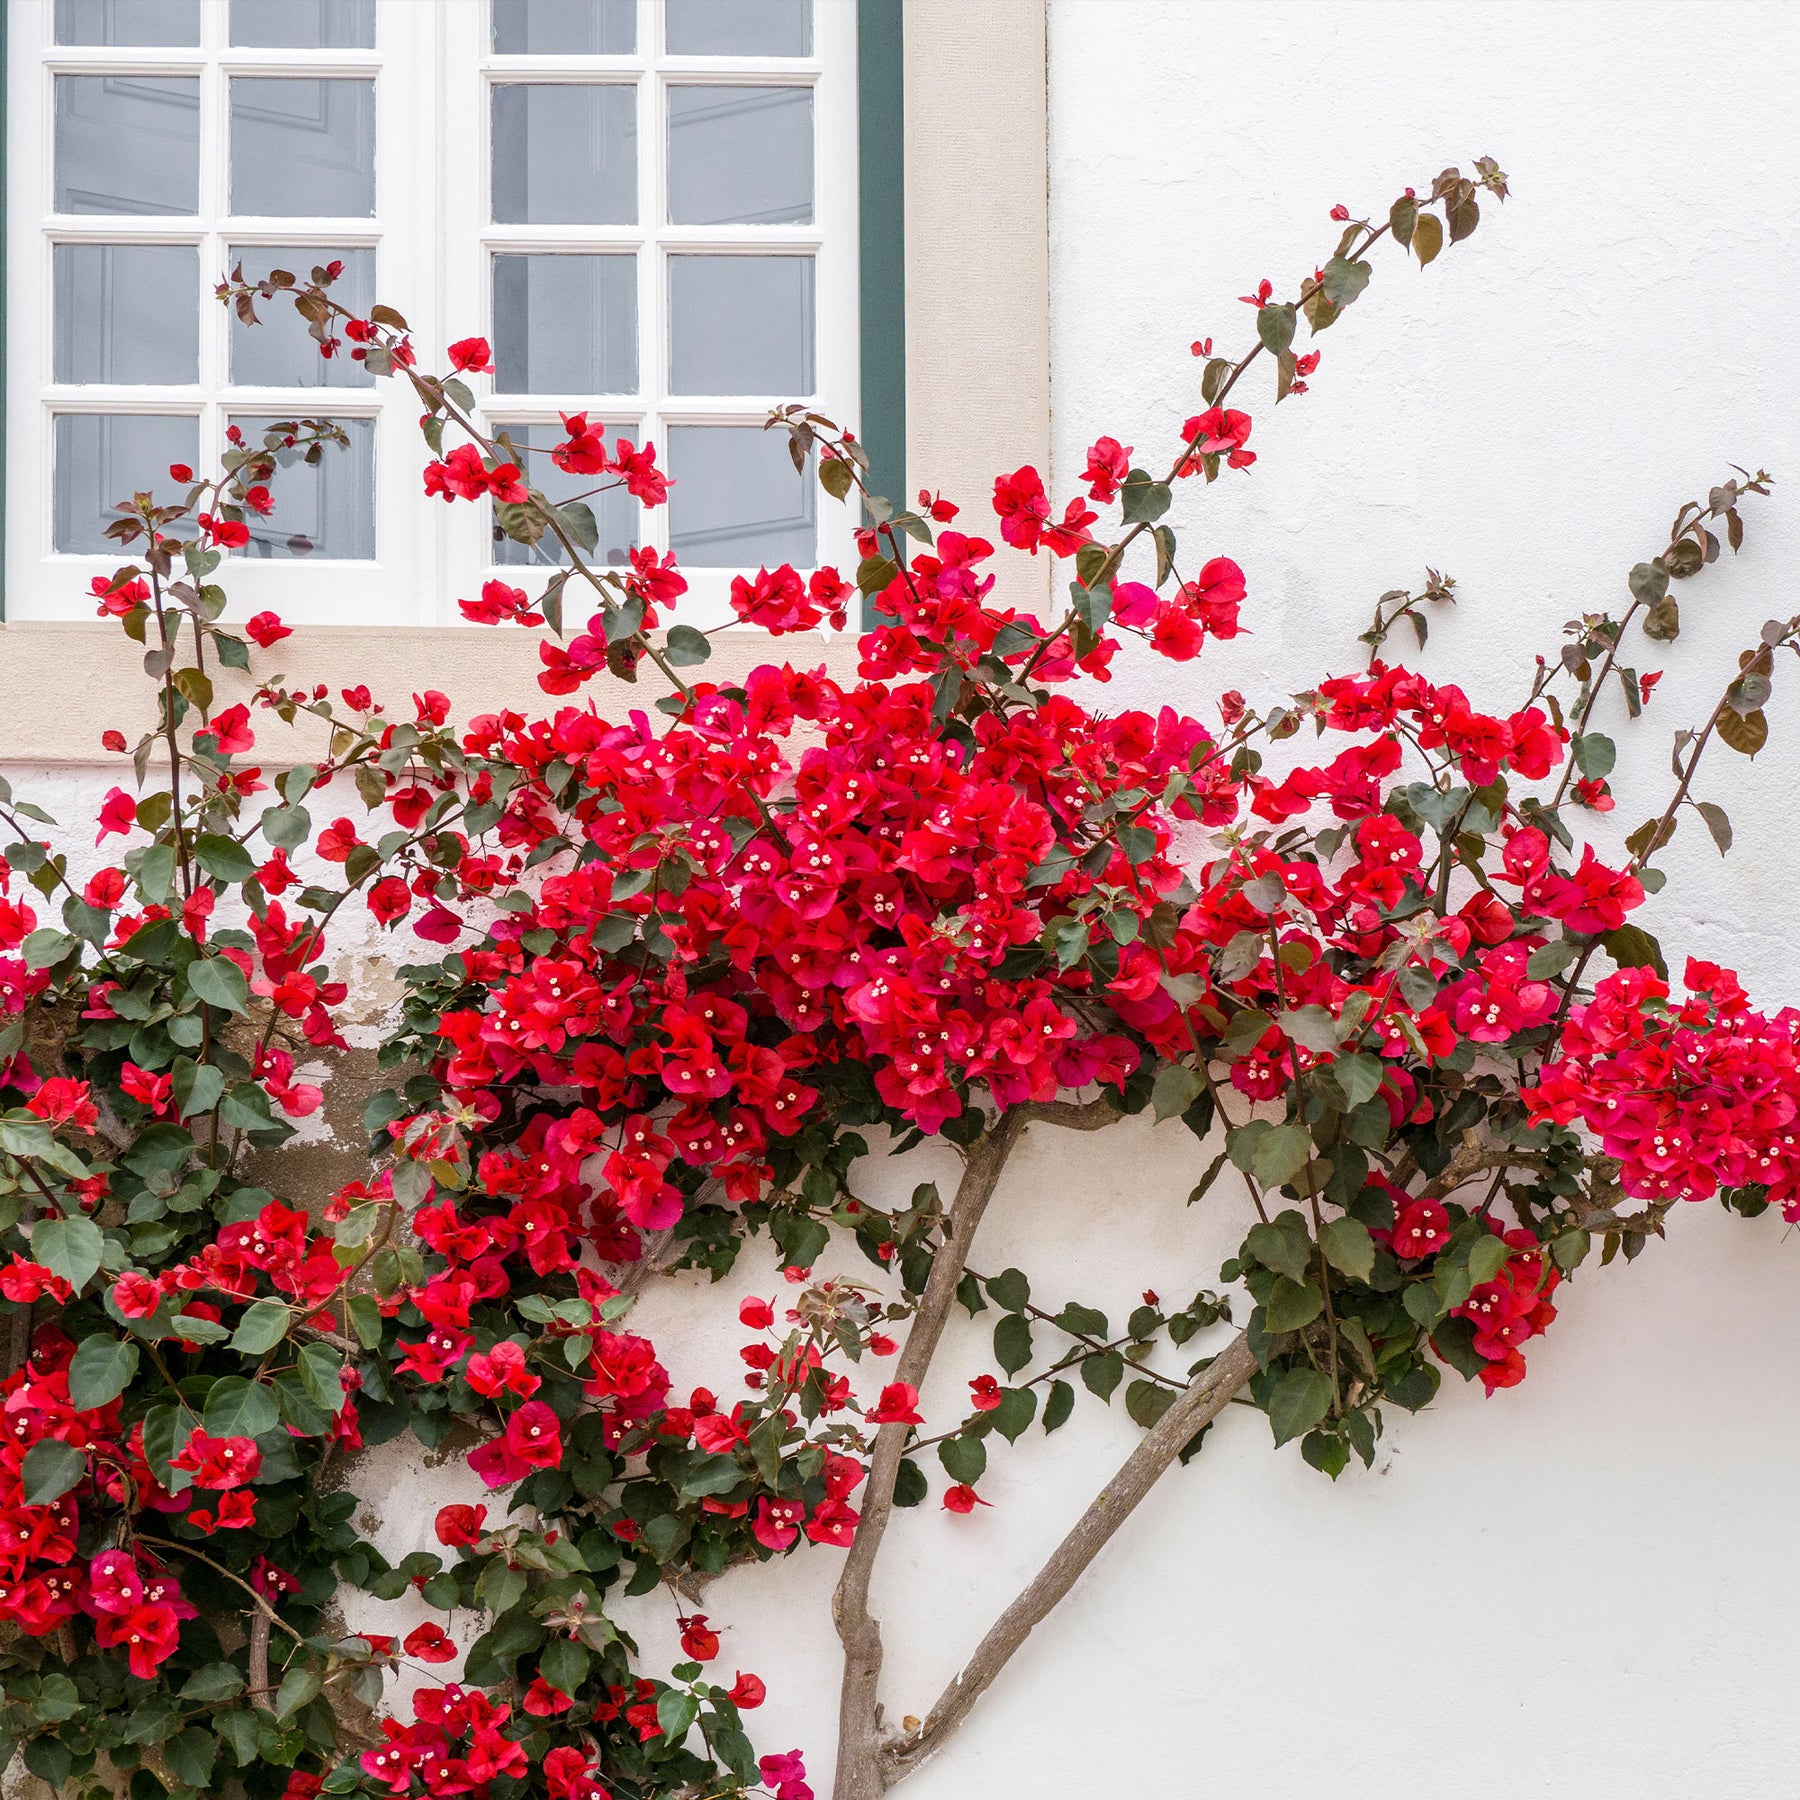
648, 206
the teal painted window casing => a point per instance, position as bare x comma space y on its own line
4, 359
881, 165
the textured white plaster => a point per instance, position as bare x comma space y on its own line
1580, 1587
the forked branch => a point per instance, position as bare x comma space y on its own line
859, 1775
1205, 1398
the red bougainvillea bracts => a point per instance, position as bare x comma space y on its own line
1689, 1099
661, 975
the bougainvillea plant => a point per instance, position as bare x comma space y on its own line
663, 986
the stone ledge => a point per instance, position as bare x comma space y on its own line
63, 684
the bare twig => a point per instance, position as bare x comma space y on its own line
264, 1610
259, 1652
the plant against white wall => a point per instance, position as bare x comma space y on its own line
675, 974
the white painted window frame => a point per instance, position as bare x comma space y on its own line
433, 70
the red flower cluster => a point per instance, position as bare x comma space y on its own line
134, 1610
783, 602
43, 1583
1691, 1098
218, 1462
499, 603
583, 452
1511, 1308
778, 1523
455, 1745
1025, 520
1220, 431
785, 1776
532, 1440
651, 580
466, 475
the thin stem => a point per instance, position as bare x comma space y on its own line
1592, 699
1115, 556
1218, 1096
168, 710
1097, 1346
1657, 838
1073, 1359
263, 1606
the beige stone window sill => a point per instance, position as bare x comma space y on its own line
62, 685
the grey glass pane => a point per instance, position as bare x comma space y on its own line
100, 459
736, 501
278, 351
325, 509
565, 154
565, 324
741, 325
127, 144
739, 27
128, 21
740, 156
127, 312
302, 148
565, 27
615, 512
303, 24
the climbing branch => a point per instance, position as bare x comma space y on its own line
1205, 1398
859, 1775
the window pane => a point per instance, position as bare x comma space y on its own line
615, 512
302, 149
127, 312
565, 154
740, 156
741, 325
565, 324
279, 351
128, 21
99, 459
736, 501
739, 27
323, 509
303, 24
127, 144
565, 27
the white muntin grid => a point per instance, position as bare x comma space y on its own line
649, 413
433, 70
45, 583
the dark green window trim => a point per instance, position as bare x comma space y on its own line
881, 199
4, 358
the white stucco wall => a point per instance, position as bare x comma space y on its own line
1585, 1586
1578, 1587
